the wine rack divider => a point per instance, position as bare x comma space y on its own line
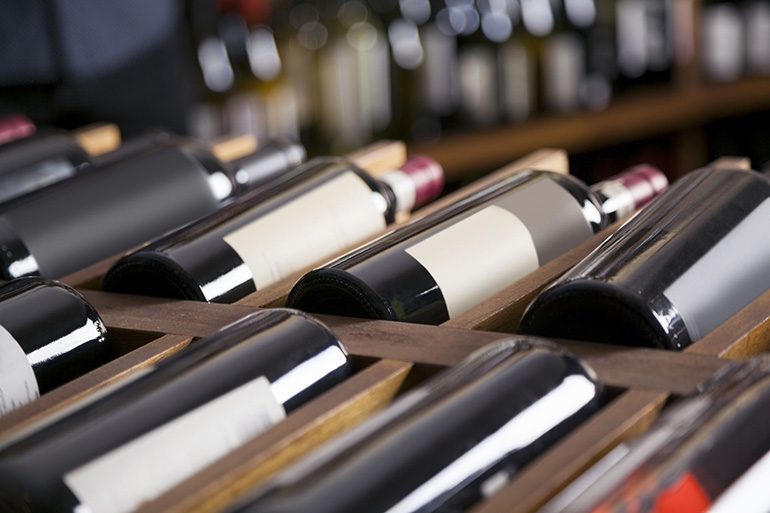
390, 357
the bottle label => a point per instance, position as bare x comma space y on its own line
142, 469
18, 385
482, 254
477, 257
320, 224
727, 278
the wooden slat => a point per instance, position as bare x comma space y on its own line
380, 156
442, 346
629, 414
336, 411
616, 365
171, 316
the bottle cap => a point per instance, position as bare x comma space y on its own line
15, 126
630, 190
415, 183
428, 177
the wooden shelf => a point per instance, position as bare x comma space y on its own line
391, 357
628, 119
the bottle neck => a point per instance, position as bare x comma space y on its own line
623, 194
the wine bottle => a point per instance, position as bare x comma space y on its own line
15, 126
669, 276
446, 444
154, 429
50, 155
518, 70
49, 335
481, 29
102, 213
644, 30
756, 20
254, 243
723, 41
445, 263
563, 61
693, 452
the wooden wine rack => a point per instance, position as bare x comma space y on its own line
391, 357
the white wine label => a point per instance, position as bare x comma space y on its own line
140, 470
474, 258
319, 224
554, 218
727, 278
18, 385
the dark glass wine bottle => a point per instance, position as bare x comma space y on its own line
446, 444
254, 243
15, 126
65, 228
49, 335
50, 155
113, 451
689, 457
445, 263
669, 276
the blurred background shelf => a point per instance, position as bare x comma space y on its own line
643, 116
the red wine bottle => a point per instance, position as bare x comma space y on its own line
254, 243
152, 430
669, 276
102, 213
445, 263
447, 443
49, 335
15, 126
688, 457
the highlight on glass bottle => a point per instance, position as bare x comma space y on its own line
690, 260
447, 443
706, 452
114, 208
153, 429
49, 335
266, 236
447, 262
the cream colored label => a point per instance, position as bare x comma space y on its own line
18, 385
119, 481
319, 224
477, 257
